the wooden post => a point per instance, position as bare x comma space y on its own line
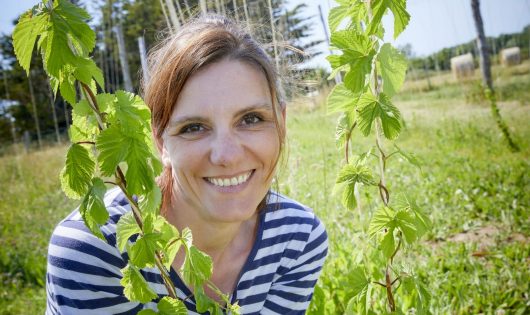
52, 103
485, 67
181, 13
173, 14
247, 17
234, 4
204, 8
338, 78
143, 58
5, 83
123, 58
35, 114
163, 6
217, 7
273, 31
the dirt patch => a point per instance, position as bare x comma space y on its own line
487, 236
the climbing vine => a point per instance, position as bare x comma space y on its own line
112, 145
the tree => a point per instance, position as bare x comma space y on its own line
485, 67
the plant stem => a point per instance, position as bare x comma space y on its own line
92, 101
346, 148
490, 95
389, 294
122, 183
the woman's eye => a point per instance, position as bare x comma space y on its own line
191, 128
251, 119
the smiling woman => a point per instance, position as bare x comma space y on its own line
219, 124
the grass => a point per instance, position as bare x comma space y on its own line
470, 184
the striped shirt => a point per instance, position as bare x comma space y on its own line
83, 272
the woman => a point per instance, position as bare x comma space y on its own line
219, 125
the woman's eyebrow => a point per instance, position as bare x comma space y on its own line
201, 119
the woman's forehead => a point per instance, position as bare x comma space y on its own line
229, 85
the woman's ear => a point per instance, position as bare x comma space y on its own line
166, 161
164, 155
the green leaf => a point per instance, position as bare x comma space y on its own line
354, 10
150, 201
170, 239
142, 253
359, 281
86, 127
28, 28
139, 176
131, 112
336, 16
171, 250
422, 222
113, 147
405, 221
147, 311
93, 209
187, 237
348, 197
388, 243
370, 108
344, 128
171, 306
383, 217
409, 157
66, 86
77, 172
358, 53
203, 302
76, 134
352, 174
126, 228
72, 18
135, 287
393, 67
86, 70
398, 8
82, 108
197, 267
341, 99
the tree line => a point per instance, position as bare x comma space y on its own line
27, 105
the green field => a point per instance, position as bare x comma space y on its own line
475, 190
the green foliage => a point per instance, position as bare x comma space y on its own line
374, 73
93, 208
117, 128
126, 228
77, 172
398, 8
372, 107
170, 306
197, 267
393, 66
134, 285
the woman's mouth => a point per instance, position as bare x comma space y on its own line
230, 181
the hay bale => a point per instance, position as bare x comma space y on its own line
463, 66
510, 56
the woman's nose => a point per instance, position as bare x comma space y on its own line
226, 150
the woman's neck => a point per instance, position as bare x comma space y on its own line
213, 237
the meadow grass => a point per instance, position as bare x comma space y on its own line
469, 184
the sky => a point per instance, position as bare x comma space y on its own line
434, 24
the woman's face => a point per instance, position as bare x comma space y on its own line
221, 142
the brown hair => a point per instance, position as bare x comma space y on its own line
202, 41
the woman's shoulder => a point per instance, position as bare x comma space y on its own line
284, 217
72, 231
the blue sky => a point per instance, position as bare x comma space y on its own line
435, 24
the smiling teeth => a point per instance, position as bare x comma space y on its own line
222, 182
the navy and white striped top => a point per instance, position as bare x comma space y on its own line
83, 273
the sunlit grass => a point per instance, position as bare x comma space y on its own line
469, 180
